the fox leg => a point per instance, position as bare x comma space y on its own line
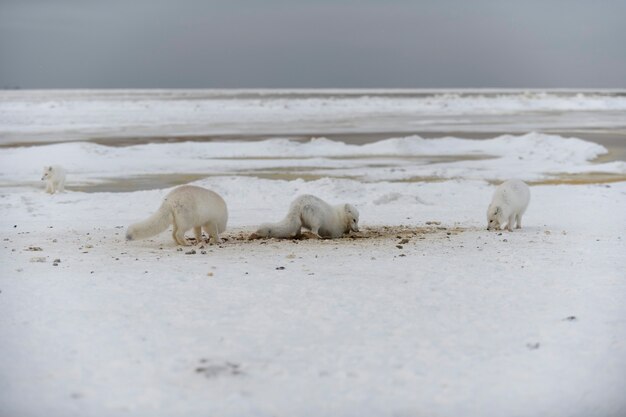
509, 225
174, 232
519, 221
211, 229
179, 235
180, 226
197, 232
314, 226
309, 220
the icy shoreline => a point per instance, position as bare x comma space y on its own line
41, 116
532, 157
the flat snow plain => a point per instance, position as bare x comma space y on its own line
423, 312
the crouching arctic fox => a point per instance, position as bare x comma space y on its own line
508, 205
314, 214
54, 176
186, 207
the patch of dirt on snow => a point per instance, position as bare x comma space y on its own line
403, 233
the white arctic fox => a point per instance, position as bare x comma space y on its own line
186, 207
54, 176
314, 214
508, 205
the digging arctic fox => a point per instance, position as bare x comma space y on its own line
314, 214
509, 203
186, 207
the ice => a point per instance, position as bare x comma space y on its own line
44, 116
532, 157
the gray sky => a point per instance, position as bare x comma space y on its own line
312, 43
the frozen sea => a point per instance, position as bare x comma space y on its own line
423, 312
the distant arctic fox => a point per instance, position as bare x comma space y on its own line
54, 176
314, 214
186, 207
508, 205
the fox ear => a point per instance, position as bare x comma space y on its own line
50, 168
346, 208
497, 210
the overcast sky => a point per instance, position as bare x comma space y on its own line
312, 43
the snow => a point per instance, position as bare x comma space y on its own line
455, 321
43, 116
536, 155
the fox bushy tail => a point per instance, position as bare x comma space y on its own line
288, 227
153, 225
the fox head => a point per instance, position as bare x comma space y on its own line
47, 173
495, 217
352, 217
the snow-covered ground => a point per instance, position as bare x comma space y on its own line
423, 312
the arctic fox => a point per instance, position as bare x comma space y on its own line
186, 207
54, 176
314, 214
508, 205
